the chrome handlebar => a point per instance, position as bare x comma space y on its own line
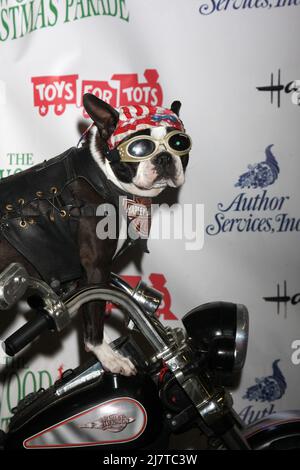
140, 302
149, 325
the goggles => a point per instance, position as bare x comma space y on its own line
144, 147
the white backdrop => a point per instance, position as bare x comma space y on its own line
212, 57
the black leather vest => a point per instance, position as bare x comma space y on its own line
35, 208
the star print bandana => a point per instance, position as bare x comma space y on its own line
136, 118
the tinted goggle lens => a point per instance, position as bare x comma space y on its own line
179, 142
141, 148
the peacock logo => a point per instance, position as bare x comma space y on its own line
262, 174
268, 389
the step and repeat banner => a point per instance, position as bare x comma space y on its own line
234, 65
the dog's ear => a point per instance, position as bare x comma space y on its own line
175, 107
104, 116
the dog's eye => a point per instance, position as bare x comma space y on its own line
141, 148
180, 142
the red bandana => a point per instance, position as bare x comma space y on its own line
136, 118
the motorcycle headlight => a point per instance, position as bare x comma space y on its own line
221, 330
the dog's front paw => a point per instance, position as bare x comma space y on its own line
111, 360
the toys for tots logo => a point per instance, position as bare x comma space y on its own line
122, 89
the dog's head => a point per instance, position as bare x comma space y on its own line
142, 149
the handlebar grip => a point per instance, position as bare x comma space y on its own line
28, 332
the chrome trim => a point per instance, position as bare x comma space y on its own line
52, 303
147, 297
241, 338
117, 281
13, 285
93, 372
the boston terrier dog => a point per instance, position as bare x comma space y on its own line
135, 152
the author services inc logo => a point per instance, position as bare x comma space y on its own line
266, 390
233, 6
255, 208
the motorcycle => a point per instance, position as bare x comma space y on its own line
179, 385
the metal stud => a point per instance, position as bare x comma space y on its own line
9, 207
23, 223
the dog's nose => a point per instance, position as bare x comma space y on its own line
163, 159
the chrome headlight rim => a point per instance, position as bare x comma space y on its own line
241, 336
